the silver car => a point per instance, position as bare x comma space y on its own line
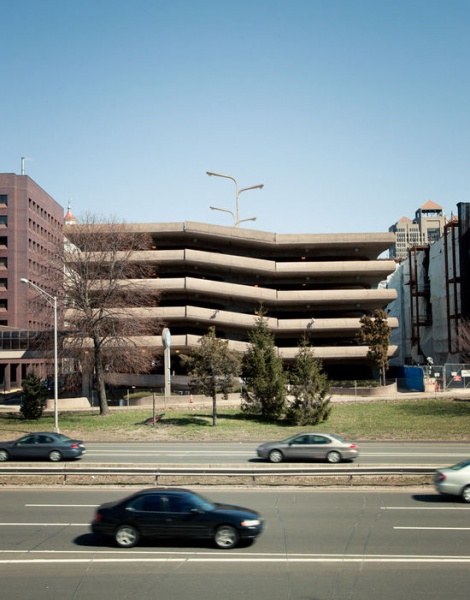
308, 446
454, 481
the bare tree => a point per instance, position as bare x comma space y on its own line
464, 340
375, 332
106, 297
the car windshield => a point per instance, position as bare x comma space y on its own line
461, 465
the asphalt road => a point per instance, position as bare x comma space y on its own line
318, 545
213, 453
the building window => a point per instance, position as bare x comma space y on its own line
3, 241
3, 283
3, 262
3, 305
3, 221
3, 200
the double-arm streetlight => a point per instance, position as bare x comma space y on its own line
236, 215
53, 301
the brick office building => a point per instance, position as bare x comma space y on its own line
31, 225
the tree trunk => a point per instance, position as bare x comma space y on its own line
214, 408
99, 370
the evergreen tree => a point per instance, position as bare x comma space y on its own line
34, 394
310, 388
264, 391
212, 368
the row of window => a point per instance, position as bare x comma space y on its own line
42, 212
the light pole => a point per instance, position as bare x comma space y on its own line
236, 215
52, 300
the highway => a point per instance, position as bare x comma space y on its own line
232, 453
318, 545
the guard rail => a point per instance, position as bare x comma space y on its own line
71, 471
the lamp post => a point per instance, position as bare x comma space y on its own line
53, 301
236, 215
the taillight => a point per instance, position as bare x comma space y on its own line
98, 517
353, 446
75, 445
440, 477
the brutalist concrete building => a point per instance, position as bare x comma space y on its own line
314, 285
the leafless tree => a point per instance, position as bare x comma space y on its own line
106, 297
464, 340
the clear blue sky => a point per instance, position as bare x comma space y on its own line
353, 113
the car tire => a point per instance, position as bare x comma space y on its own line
333, 457
466, 494
4, 456
126, 536
226, 537
55, 456
276, 456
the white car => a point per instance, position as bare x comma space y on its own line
454, 481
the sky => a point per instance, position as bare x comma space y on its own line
352, 113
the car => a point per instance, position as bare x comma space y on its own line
42, 445
307, 446
166, 513
454, 481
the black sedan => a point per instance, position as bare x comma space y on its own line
42, 445
172, 513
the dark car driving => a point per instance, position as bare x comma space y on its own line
42, 445
175, 513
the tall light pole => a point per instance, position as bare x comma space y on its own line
236, 215
53, 301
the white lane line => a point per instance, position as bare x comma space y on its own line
424, 508
62, 505
44, 524
247, 559
437, 528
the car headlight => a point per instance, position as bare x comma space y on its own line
250, 523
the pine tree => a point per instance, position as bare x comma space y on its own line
34, 394
264, 391
212, 368
310, 388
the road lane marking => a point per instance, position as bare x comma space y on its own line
245, 559
61, 505
44, 524
437, 528
424, 508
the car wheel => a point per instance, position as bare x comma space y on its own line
226, 537
466, 493
126, 536
276, 456
3, 455
55, 456
333, 457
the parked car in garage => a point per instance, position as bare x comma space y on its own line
454, 481
43, 445
309, 446
175, 513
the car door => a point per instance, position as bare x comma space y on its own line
25, 447
320, 445
298, 448
147, 513
184, 518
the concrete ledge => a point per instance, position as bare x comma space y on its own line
68, 403
370, 392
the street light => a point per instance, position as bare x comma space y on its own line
236, 215
53, 301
